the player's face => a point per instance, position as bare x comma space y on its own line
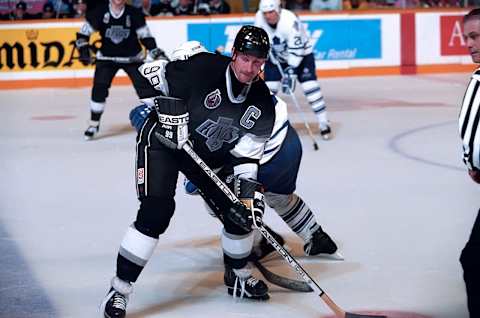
119, 3
271, 17
246, 67
471, 34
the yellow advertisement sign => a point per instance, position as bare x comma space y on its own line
39, 49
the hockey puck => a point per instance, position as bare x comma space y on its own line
389, 314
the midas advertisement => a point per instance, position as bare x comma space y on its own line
38, 50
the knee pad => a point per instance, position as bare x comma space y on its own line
154, 215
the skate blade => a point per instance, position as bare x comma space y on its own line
337, 256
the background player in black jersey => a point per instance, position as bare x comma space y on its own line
469, 130
122, 28
226, 111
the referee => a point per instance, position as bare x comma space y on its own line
468, 128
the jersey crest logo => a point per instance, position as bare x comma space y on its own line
218, 132
117, 33
128, 23
213, 99
106, 18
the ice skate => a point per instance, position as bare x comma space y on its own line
241, 283
325, 132
114, 305
321, 244
92, 130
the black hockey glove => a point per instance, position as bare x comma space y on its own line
173, 118
288, 81
84, 49
157, 54
250, 211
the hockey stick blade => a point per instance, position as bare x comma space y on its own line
282, 281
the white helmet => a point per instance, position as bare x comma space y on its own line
187, 50
269, 5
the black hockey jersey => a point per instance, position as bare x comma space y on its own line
120, 34
224, 126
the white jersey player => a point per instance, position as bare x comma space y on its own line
291, 58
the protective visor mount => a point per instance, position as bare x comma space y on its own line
253, 41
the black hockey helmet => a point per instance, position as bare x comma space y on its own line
252, 40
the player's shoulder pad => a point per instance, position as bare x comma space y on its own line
287, 18
154, 72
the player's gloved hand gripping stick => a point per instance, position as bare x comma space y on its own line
257, 222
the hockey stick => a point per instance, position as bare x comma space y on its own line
282, 281
339, 312
119, 59
295, 102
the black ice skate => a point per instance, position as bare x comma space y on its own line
261, 247
241, 283
91, 131
114, 305
325, 132
320, 243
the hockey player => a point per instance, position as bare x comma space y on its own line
277, 172
225, 110
292, 50
122, 28
469, 132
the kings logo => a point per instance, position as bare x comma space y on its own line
213, 99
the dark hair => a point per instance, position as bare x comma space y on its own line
474, 14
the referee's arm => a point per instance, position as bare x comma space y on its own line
468, 127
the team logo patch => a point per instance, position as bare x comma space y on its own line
213, 99
140, 175
218, 132
117, 33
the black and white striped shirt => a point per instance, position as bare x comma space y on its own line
468, 123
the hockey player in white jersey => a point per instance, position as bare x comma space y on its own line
292, 50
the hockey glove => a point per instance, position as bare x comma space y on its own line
84, 49
250, 211
288, 81
139, 115
157, 54
173, 118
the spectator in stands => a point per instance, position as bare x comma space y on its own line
298, 5
219, 7
184, 7
322, 5
79, 8
162, 7
21, 13
48, 11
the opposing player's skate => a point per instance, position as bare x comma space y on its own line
241, 283
321, 243
325, 132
